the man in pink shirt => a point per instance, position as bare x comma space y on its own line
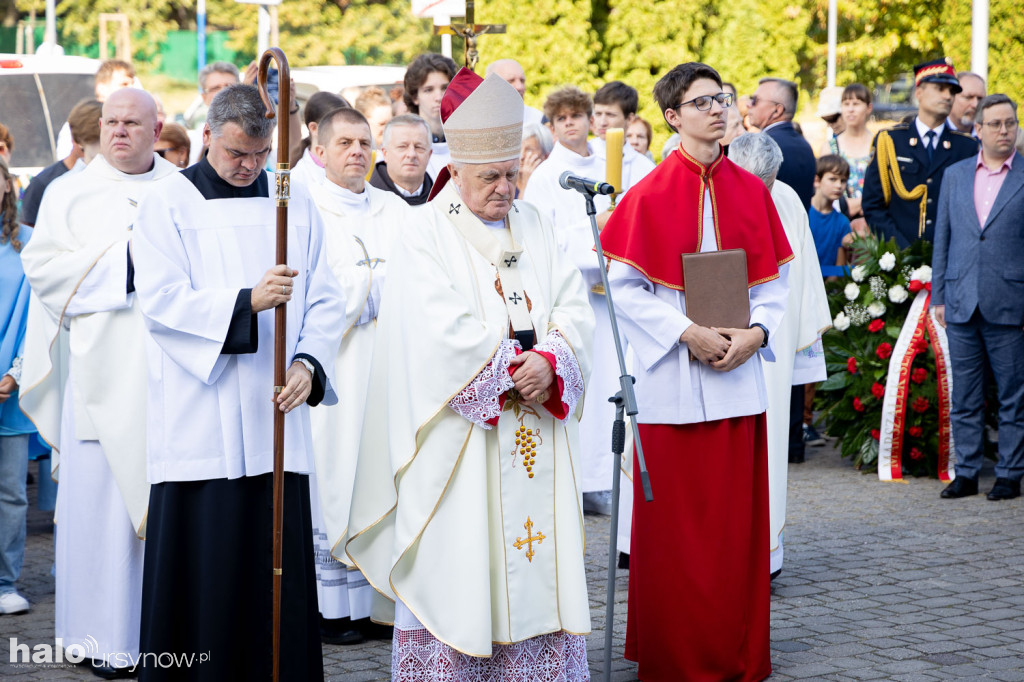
978, 296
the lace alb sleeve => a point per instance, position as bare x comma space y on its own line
566, 368
479, 402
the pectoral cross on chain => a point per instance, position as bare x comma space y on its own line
469, 32
529, 540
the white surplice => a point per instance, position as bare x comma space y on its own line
443, 506
307, 171
566, 210
209, 411
90, 405
438, 159
799, 356
360, 231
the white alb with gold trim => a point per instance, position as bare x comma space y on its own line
445, 515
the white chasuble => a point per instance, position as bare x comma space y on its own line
77, 264
211, 412
796, 361
478, 531
358, 237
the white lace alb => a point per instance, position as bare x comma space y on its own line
479, 401
566, 367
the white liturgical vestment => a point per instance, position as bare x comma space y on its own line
799, 356
479, 537
210, 412
566, 209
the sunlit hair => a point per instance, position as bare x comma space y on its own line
241, 105
568, 99
404, 120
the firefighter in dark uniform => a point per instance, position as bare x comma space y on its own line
901, 184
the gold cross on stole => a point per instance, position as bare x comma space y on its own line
469, 32
529, 540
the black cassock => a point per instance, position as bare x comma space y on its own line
206, 589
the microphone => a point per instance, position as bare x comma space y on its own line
584, 185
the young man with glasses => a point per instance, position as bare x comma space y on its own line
698, 605
978, 296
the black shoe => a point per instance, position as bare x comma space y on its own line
623, 561
339, 631
1004, 489
109, 672
812, 437
775, 575
795, 458
960, 487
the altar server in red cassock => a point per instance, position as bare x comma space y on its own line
698, 583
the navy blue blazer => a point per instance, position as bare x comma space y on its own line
798, 163
901, 218
974, 268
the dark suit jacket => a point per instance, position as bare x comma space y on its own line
974, 268
798, 164
900, 218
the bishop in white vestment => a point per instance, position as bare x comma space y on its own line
799, 356
208, 286
362, 224
566, 210
90, 404
466, 514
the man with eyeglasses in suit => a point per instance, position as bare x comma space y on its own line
771, 109
701, 396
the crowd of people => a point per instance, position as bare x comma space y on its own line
450, 355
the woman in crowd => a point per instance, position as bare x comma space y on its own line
174, 144
639, 134
854, 145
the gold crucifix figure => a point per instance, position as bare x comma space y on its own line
529, 540
469, 31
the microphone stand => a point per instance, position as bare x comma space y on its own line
625, 403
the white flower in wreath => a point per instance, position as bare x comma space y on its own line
842, 322
888, 261
852, 292
923, 274
898, 294
876, 309
859, 273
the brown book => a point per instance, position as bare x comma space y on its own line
715, 284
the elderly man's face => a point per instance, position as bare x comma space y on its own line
129, 130
512, 73
406, 155
965, 103
487, 188
765, 106
237, 158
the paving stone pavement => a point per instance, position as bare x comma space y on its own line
882, 581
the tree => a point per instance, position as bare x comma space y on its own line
1006, 43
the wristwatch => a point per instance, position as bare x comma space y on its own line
312, 371
763, 328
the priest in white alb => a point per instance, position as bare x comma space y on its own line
466, 514
566, 209
208, 286
79, 268
799, 355
362, 224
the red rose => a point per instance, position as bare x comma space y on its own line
878, 390
916, 454
919, 375
884, 351
921, 345
876, 325
858, 405
915, 431
915, 286
851, 365
876, 434
921, 405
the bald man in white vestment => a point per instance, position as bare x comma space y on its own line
466, 514
79, 267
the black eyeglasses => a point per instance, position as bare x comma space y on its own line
162, 153
703, 103
754, 99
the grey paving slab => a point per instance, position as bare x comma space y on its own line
882, 581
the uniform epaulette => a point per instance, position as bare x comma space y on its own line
967, 135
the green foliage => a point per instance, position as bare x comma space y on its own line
1006, 43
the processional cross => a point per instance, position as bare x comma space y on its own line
469, 31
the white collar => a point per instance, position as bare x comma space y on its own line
401, 190
922, 130
350, 201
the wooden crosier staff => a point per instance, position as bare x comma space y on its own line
283, 185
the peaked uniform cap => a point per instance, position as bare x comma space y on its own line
937, 71
482, 120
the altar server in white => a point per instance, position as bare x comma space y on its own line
799, 356
79, 268
466, 512
208, 285
569, 111
362, 224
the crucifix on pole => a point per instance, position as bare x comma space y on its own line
469, 32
